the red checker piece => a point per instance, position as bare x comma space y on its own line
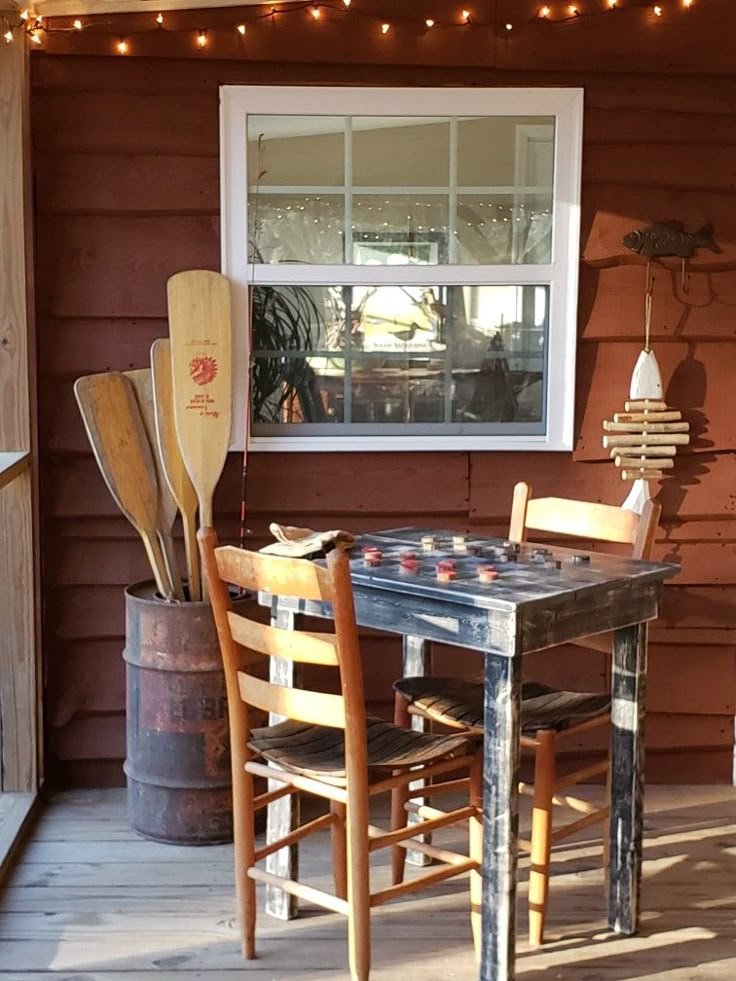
373, 557
486, 573
446, 570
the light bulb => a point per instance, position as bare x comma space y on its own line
429, 22
8, 35
202, 39
612, 4
316, 12
687, 4
466, 16
36, 37
385, 28
572, 10
544, 12
77, 25
657, 10
241, 29
25, 14
122, 46
509, 27
346, 2
160, 19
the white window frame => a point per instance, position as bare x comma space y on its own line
565, 104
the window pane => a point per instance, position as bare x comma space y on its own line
400, 229
503, 228
297, 228
465, 359
506, 151
395, 151
296, 150
398, 390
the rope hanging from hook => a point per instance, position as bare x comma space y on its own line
648, 306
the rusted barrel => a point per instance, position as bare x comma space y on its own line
178, 746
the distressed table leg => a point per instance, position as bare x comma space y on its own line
416, 654
283, 814
502, 707
628, 688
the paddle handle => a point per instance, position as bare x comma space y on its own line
171, 563
192, 553
158, 564
205, 521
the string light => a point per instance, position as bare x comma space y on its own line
31, 24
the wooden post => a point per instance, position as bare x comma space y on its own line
19, 661
628, 688
416, 656
501, 753
283, 814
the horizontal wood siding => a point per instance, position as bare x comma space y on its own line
127, 193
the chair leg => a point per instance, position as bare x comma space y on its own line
399, 796
607, 825
339, 850
244, 851
359, 897
541, 837
475, 851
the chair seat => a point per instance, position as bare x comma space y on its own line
461, 702
319, 751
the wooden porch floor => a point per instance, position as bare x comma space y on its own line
90, 901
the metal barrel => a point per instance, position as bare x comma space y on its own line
178, 744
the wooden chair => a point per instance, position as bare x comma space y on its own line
547, 713
326, 746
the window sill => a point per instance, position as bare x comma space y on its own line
403, 444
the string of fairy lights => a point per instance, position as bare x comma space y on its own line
37, 28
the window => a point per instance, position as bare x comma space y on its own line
411, 260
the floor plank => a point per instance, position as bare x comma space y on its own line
87, 900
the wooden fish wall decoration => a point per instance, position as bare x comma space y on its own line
669, 238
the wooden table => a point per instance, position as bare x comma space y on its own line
542, 598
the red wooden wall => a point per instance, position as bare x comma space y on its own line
127, 193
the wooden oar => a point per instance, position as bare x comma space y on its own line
172, 464
167, 509
120, 445
201, 361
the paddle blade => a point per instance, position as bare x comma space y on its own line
172, 464
118, 439
201, 360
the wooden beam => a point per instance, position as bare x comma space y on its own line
19, 660
73, 8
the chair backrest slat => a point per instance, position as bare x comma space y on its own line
584, 519
302, 646
317, 708
273, 574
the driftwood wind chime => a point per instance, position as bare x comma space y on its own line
643, 439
